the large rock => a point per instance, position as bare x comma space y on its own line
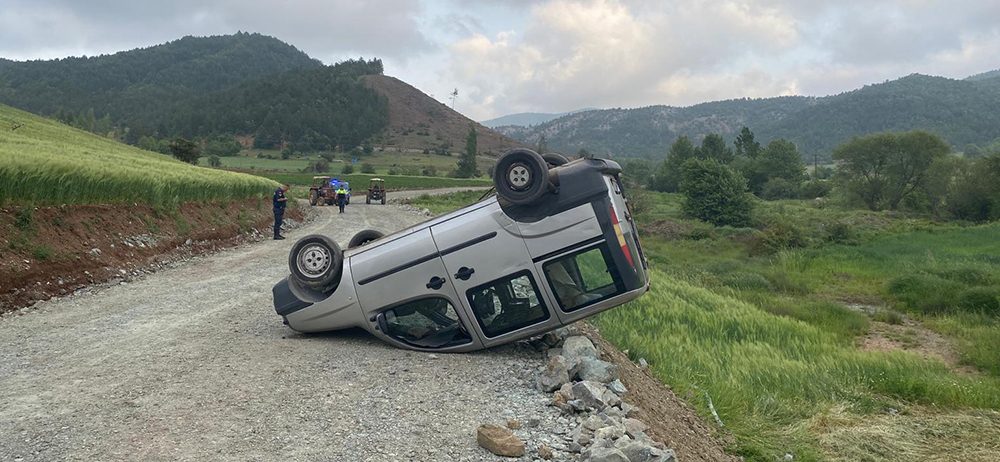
611, 399
618, 387
553, 375
544, 452
590, 393
634, 427
639, 452
578, 347
603, 454
596, 370
499, 441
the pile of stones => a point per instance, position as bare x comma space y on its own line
588, 389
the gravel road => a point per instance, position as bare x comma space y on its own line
191, 363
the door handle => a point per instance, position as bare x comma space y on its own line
465, 273
436, 283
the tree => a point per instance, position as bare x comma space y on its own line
467, 167
148, 143
715, 193
185, 150
713, 146
348, 169
543, 145
367, 147
972, 151
367, 168
746, 145
780, 160
215, 161
583, 153
287, 152
668, 179
882, 169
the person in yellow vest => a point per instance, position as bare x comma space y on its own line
341, 198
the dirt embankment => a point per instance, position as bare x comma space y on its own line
52, 251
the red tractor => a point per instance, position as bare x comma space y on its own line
376, 191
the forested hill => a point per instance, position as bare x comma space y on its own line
962, 111
243, 85
123, 83
525, 119
984, 75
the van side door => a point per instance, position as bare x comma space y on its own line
408, 297
494, 275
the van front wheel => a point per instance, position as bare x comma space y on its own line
316, 261
521, 176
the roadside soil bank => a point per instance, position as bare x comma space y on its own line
51, 251
671, 420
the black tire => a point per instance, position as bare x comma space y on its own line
383, 198
521, 176
316, 261
364, 237
368, 199
312, 198
554, 159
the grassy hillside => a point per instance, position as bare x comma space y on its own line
46, 162
822, 332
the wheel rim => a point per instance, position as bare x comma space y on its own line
519, 176
313, 260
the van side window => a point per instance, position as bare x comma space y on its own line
584, 278
428, 323
507, 304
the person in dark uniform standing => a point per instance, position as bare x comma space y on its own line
279, 210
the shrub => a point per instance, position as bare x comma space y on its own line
715, 193
815, 188
42, 252
321, 166
889, 317
971, 275
779, 235
924, 293
783, 281
429, 170
348, 169
24, 219
214, 161
393, 171
328, 156
367, 168
842, 233
984, 300
779, 188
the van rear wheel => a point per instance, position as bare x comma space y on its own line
521, 176
364, 237
555, 159
316, 261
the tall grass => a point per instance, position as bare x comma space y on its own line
45, 162
768, 373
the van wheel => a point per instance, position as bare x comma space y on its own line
554, 159
316, 261
521, 176
364, 237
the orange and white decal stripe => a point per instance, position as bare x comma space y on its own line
621, 236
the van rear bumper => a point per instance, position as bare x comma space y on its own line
285, 301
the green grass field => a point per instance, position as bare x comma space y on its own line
359, 181
46, 162
759, 319
402, 163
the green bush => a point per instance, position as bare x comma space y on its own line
842, 233
367, 168
779, 188
42, 252
924, 293
980, 300
715, 193
348, 169
815, 188
779, 235
24, 219
214, 161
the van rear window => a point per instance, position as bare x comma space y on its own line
584, 278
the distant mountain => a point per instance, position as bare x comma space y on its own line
5, 62
527, 119
417, 121
984, 75
959, 110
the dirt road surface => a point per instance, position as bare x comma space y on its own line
191, 363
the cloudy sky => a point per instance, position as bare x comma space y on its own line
507, 56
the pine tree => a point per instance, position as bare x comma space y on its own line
467, 167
